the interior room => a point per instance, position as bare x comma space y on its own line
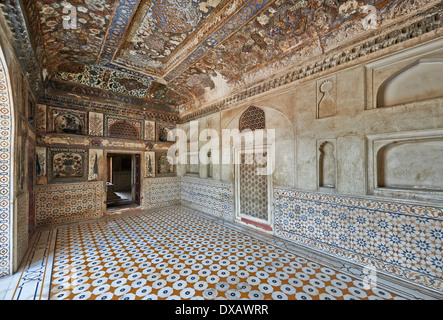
120, 180
221, 150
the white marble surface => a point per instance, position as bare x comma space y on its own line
32, 280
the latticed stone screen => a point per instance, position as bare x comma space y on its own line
253, 118
120, 127
123, 129
253, 187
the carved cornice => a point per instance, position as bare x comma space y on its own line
136, 103
98, 106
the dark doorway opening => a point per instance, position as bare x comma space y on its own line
123, 180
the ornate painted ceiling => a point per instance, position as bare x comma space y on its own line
164, 54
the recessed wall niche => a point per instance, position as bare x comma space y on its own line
422, 80
406, 77
164, 132
67, 121
164, 165
407, 165
326, 98
326, 164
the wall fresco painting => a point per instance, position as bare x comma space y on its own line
68, 121
67, 165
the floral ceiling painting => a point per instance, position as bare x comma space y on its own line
167, 55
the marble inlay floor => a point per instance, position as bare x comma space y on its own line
176, 253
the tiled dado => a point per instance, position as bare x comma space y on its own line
401, 239
209, 196
56, 203
160, 192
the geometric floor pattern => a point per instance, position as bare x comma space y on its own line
178, 253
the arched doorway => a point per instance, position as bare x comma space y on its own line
6, 168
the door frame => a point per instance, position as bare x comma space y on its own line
262, 225
134, 173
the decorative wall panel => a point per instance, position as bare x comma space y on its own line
95, 124
398, 238
22, 216
161, 192
70, 121
96, 167
107, 108
163, 131
149, 164
31, 106
6, 168
21, 156
150, 130
120, 127
210, 196
68, 202
40, 118
41, 165
326, 98
164, 165
67, 165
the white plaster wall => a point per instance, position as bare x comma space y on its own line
293, 113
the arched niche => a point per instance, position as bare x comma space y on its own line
419, 81
327, 167
413, 165
284, 139
68, 123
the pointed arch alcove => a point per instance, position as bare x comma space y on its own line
421, 80
253, 119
